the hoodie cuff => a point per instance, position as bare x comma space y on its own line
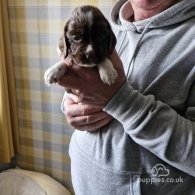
127, 105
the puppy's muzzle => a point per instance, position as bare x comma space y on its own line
90, 55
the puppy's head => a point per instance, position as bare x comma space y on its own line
88, 36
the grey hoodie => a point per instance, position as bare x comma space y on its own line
150, 146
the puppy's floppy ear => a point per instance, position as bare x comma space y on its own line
64, 45
112, 41
66, 42
61, 45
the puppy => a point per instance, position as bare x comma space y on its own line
89, 39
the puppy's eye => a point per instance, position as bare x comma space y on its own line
76, 37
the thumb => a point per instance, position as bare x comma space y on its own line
72, 99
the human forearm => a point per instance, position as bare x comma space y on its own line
155, 126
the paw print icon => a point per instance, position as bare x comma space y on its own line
159, 170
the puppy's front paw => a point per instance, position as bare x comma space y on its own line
54, 73
107, 72
108, 77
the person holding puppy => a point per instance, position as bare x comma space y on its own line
147, 117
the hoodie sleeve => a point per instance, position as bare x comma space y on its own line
156, 126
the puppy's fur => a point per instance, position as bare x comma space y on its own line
89, 39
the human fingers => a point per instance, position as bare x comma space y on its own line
72, 99
95, 126
74, 109
81, 115
77, 121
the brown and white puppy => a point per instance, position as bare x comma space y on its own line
89, 39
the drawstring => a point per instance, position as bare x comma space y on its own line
136, 49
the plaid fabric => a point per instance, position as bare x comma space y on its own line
44, 132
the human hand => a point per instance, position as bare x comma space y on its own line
86, 85
85, 117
